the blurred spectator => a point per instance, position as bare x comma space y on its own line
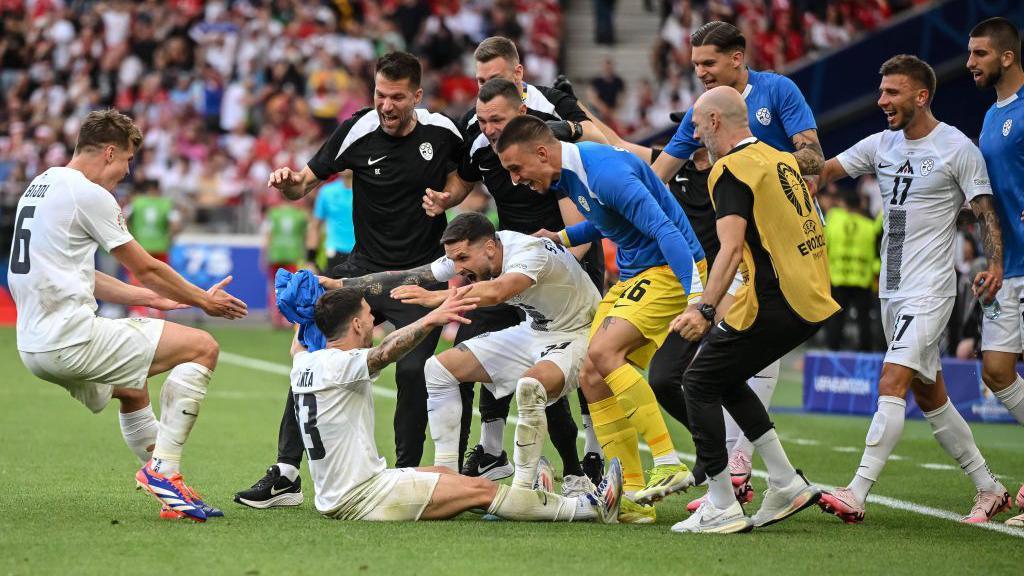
285, 230
607, 90
604, 15
853, 262
153, 221
332, 218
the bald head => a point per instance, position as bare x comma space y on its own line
720, 119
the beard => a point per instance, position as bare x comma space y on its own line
990, 80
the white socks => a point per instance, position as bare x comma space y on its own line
955, 437
492, 436
140, 429
531, 430
883, 434
288, 471
763, 384
444, 411
590, 443
1013, 398
515, 503
179, 406
780, 471
720, 491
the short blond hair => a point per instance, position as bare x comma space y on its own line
108, 127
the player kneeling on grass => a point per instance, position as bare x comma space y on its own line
538, 360
333, 391
64, 215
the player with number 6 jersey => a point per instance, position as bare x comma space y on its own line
538, 360
926, 169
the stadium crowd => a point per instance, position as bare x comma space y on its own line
224, 90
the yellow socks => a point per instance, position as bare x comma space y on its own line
638, 403
618, 440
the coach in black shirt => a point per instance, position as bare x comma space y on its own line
393, 151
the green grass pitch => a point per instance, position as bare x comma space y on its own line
68, 503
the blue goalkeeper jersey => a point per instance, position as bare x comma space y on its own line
623, 200
776, 108
1002, 145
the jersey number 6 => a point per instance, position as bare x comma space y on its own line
20, 263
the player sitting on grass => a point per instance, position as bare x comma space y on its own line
538, 359
333, 391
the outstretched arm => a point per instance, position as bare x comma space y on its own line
401, 341
110, 289
988, 282
486, 293
382, 282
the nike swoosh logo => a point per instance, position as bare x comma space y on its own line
483, 469
371, 161
895, 348
275, 491
617, 304
524, 445
682, 179
482, 169
189, 414
883, 165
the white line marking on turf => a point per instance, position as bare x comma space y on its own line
849, 449
284, 370
934, 466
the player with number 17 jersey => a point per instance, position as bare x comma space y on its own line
924, 183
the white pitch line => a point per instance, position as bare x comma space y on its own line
284, 370
935, 466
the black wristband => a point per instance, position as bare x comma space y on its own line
311, 254
566, 130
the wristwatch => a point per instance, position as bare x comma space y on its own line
707, 311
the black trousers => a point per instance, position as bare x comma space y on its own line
665, 374
718, 376
410, 420
561, 427
860, 300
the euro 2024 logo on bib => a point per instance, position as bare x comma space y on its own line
1006, 126
427, 151
764, 116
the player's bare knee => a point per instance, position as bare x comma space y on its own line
605, 359
893, 384
206, 349
132, 399
997, 377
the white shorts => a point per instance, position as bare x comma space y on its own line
507, 354
1006, 333
913, 327
394, 495
118, 354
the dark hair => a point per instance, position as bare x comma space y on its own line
1004, 35
497, 47
721, 35
912, 67
397, 66
103, 128
470, 226
523, 129
336, 309
500, 87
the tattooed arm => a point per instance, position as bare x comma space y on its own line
987, 283
401, 341
382, 282
809, 156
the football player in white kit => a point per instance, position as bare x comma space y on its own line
925, 169
538, 360
63, 216
333, 391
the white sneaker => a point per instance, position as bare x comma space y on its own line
545, 478
782, 502
573, 486
712, 520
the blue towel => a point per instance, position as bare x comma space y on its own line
296, 297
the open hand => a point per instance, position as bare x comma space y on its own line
223, 305
452, 309
553, 236
412, 294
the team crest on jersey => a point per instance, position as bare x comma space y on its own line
927, 166
1006, 126
427, 151
763, 116
583, 202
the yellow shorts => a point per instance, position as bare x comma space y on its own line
649, 301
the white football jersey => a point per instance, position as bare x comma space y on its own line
562, 298
334, 407
924, 183
62, 217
